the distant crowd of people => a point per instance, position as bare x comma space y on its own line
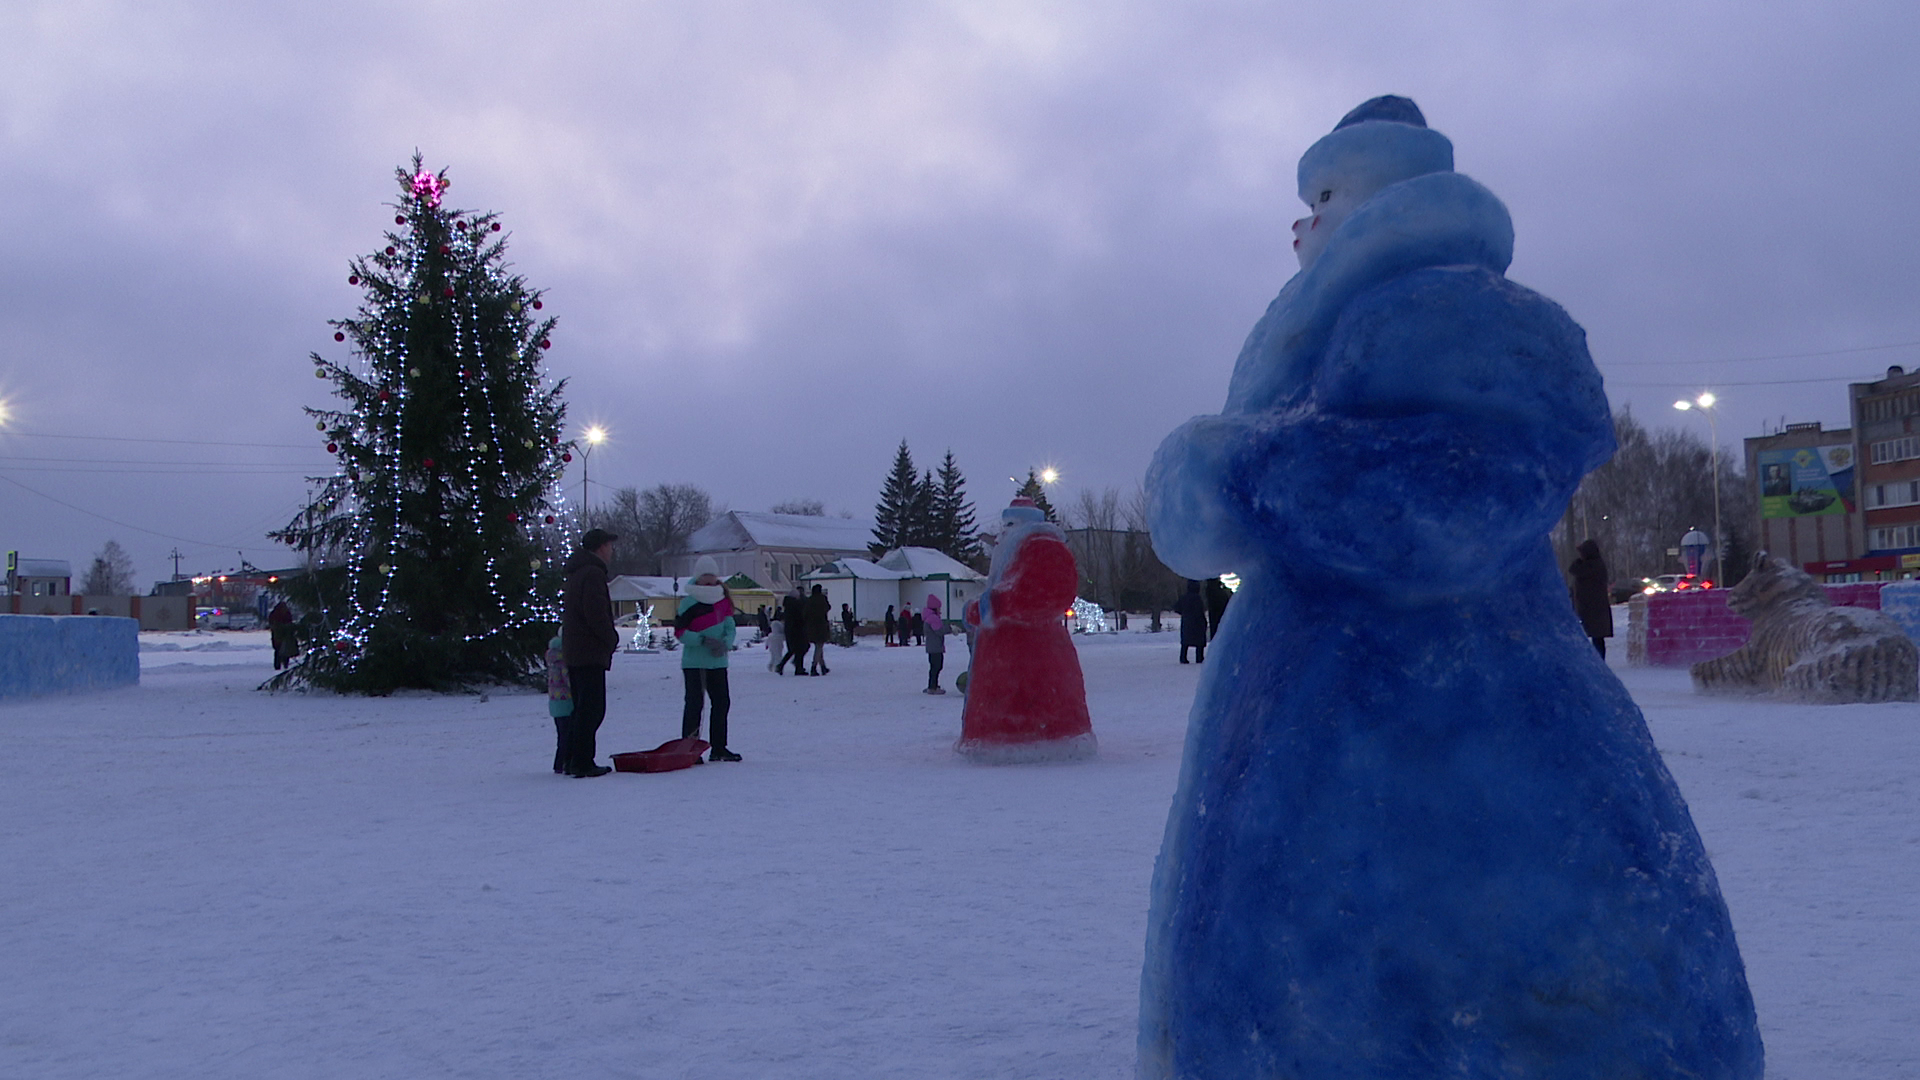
705, 627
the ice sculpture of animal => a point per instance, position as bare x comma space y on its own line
1806, 649
1421, 830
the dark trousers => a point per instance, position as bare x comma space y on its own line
1601, 644
796, 652
935, 661
1199, 653
589, 708
713, 682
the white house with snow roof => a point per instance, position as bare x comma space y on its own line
775, 550
903, 576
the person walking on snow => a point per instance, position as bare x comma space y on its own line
849, 622
1590, 599
890, 625
919, 628
936, 631
588, 641
1192, 609
819, 627
793, 612
559, 702
704, 624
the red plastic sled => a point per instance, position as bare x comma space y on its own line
668, 756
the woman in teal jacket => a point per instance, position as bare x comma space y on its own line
704, 625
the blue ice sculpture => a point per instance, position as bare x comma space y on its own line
1421, 830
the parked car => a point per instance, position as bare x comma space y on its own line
1674, 583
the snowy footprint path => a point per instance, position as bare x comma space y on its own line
204, 881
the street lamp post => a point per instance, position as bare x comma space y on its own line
595, 435
1705, 403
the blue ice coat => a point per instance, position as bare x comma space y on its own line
1420, 830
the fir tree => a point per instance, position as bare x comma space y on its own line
435, 534
893, 515
954, 530
1035, 490
920, 529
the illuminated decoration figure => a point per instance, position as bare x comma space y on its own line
1026, 699
434, 540
1421, 829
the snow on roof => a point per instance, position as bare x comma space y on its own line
638, 587
923, 562
43, 568
736, 530
857, 568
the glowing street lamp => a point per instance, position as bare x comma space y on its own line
1705, 403
1049, 475
594, 435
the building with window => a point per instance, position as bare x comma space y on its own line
1886, 424
775, 550
1809, 511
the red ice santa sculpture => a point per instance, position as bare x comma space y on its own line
1026, 700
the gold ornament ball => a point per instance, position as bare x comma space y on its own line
414, 371
319, 425
319, 373
535, 563
384, 568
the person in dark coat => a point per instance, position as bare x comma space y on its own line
1590, 599
588, 641
819, 627
891, 624
765, 624
793, 615
919, 628
1192, 609
280, 631
848, 621
1217, 597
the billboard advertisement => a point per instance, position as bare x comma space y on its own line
1807, 482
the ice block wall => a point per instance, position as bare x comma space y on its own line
63, 654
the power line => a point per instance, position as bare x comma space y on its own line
1751, 382
113, 521
1777, 356
176, 442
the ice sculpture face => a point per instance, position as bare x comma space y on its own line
1345, 169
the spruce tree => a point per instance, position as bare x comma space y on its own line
1035, 490
893, 515
955, 532
435, 537
920, 529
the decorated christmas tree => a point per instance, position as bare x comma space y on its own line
434, 541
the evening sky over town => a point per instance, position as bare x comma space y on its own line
780, 237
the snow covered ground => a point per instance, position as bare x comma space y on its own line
199, 880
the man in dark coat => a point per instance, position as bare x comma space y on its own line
889, 624
1192, 609
588, 640
819, 627
793, 615
1217, 596
1590, 599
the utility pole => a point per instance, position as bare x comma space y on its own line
176, 557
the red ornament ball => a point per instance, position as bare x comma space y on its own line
537, 305
566, 457
353, 476
338, 336
398, 220
449, 290
496, 226
445, 250
333, 448
428, 462
512, 516
384, 396
390, 249
353, 279
549, 519
556, 440
545, 344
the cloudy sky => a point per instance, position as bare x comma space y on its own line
780, 237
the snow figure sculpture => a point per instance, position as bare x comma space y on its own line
1026, 700
1421, 829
